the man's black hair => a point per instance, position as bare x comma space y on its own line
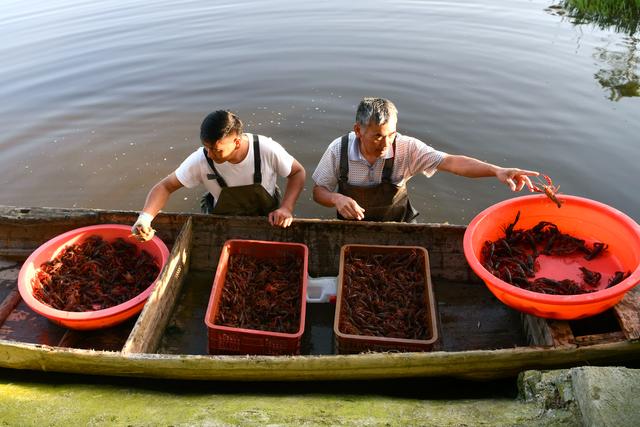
219, 124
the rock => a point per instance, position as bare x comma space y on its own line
607, 396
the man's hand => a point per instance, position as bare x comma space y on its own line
348, 208
516, 178
142, 228
281, 217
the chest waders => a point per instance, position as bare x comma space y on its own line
383, 202
241, 200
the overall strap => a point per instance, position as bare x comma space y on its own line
344, 159
388, 165
257, 166
215, 175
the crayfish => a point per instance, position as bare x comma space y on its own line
548, 189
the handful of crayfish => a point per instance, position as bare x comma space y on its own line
548, 189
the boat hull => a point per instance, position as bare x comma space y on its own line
481, 337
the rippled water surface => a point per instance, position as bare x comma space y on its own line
102, 99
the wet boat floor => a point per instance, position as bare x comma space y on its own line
470, 318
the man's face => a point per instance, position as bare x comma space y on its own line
222, 150
375, 139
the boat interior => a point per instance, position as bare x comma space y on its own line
469, 317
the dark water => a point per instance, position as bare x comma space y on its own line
102, 99
404, 388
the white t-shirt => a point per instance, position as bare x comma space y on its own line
274, 158
412, 157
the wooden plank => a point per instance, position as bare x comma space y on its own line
15, 254
8, 304
147, 332
561, 333
186, 332
628, 314
472, 318
9, 271
26, 326
484, 364
22, 230
548, 332
111, 339
9, 294
594, 339
535, 330
326, 237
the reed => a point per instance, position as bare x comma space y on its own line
623, 15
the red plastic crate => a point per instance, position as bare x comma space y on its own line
349, 343
229, 340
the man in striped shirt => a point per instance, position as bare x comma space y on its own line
363, 174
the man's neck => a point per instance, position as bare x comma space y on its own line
370, 158
241, 153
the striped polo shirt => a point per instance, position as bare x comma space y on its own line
411, 158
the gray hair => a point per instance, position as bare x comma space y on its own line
377, 110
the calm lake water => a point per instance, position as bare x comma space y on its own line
102, 99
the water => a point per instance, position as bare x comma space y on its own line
102, 99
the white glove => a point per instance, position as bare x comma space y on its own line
142, 228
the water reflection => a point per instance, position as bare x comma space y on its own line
620, 77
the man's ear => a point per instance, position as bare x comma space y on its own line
356, 129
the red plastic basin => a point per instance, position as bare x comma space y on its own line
89, 319
580, 217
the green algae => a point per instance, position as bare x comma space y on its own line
31, 404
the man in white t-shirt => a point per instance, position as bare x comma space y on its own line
363, 174
239, 171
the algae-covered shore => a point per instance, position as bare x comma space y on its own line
572, 397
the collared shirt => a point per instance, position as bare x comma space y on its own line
412, 157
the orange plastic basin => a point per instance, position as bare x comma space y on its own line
88, 319
580, 217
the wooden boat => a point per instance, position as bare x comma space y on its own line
480, 338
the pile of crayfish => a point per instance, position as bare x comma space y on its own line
513, 259
262, 293
94, 275
384, 295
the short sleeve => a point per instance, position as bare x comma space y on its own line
326, 173
425, 159
281, 160
189, 172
